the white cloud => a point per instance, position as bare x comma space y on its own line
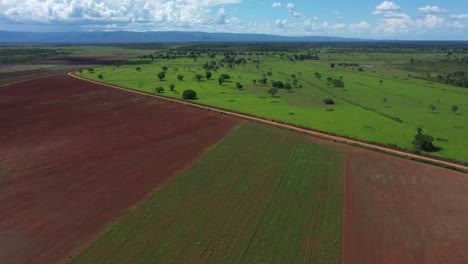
402, 23
281, 23
363, 25
456, 24
220, 17
292, 9
386, 7
432, 10
459, 16
117, 11
276, 4
431, 21
397, 23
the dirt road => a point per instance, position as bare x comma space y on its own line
294, 128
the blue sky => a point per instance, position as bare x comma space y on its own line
399, 19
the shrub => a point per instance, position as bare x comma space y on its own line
159, 89
337, 83
272, 91
189, 95
328, 101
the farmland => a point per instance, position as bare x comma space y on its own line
92, 174
277, 198
399, 211
382, 101
76, 155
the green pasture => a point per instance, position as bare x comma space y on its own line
262, 195
378, 104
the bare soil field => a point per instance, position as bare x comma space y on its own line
76, 155
401, 211
60, 65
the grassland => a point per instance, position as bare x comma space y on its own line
379, 103
275, 199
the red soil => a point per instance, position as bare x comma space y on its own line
401, 211
75, 155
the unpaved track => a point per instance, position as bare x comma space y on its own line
294, 128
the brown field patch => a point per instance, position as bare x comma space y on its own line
75, 155
401, 211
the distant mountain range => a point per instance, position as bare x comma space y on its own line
106, 37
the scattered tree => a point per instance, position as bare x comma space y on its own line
220, 80
100, 76
432, 108
180, 77
199, 77
295, 82
159, 89
225, 76
254, 81
454, 108
239, 86
272, 91
385, 100
424, 141
338, 83
189, 95
287, 86
161, 76
138, 68
328, 101
278, 84
332, 65
172, 87
165, 68
318, 75
208, 75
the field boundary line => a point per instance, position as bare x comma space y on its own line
323, 135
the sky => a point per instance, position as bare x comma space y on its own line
370, 19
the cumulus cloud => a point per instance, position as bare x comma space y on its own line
292, 9
459, 16
432, 10
117, 11
281, 23
403, 23
276, 4
456, 25
395, 24
386, 7
363, 25
220, 17
431, 21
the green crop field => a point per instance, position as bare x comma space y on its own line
262, 195
381, 100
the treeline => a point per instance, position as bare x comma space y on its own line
19, 55
458, 78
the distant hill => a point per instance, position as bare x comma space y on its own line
151, 37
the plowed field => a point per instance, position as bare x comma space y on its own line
401, 211
262, 195
75, 155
